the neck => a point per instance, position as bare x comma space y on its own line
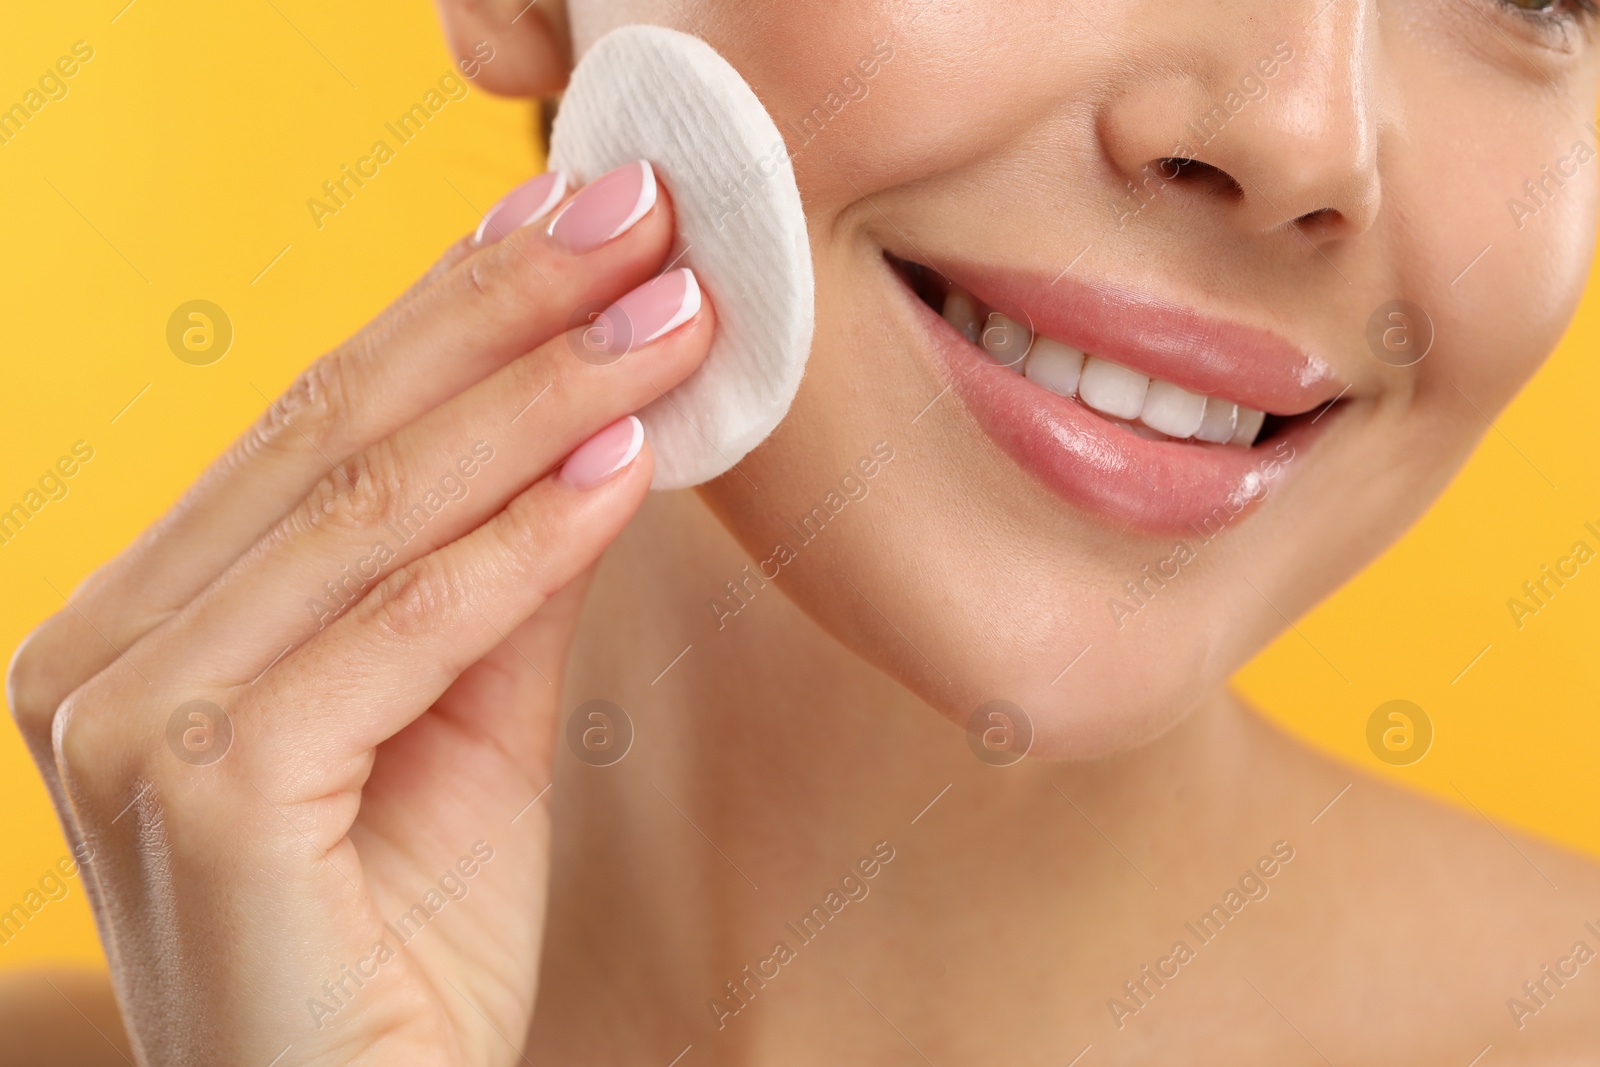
769, 763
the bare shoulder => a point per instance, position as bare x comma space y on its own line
1436, 918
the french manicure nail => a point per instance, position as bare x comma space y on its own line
603, 455
528, 202
606, 208
653, 310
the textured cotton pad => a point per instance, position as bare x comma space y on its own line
645, 92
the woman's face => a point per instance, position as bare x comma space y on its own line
1061, 554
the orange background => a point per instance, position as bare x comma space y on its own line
178, 167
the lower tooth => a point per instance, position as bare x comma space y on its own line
961, 312
1249, 427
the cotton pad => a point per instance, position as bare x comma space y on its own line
646, 92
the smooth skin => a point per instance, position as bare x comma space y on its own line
776, 749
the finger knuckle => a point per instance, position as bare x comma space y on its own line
35, 686
315, 411
505, 274
80, 738
417, 600
523, 529
362, 492
486, 278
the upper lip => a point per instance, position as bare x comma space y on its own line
1160, 339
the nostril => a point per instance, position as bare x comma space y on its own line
1321, 217
1199, 173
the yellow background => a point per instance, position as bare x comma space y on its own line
178, 168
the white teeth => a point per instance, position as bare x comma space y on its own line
1174, 411
1139, 429
1055, 366
1153, 409
1112, 389
961, 311
1007, 341
1220, 419
1249, 425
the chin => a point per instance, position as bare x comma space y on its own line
1103, 700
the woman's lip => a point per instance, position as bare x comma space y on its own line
1159, 486
1245, 364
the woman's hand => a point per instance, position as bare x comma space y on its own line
301, 727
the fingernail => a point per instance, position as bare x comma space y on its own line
653, 310
606, 208
603, 455
528, 202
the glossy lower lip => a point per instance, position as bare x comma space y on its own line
1214, 357
1098, 466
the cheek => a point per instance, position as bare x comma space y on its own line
863, 386
1498, 239
925, 102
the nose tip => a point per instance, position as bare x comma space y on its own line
1315, 172
1266, 139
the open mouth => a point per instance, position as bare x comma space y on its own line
1142, 411
1155, 409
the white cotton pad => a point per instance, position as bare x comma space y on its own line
645, 92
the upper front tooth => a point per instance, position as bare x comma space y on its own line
1174, 411
961, 311
1112, 389
1221, 417
1007, 341
1249, 425
1055, 366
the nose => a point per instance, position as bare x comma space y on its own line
1274, 129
